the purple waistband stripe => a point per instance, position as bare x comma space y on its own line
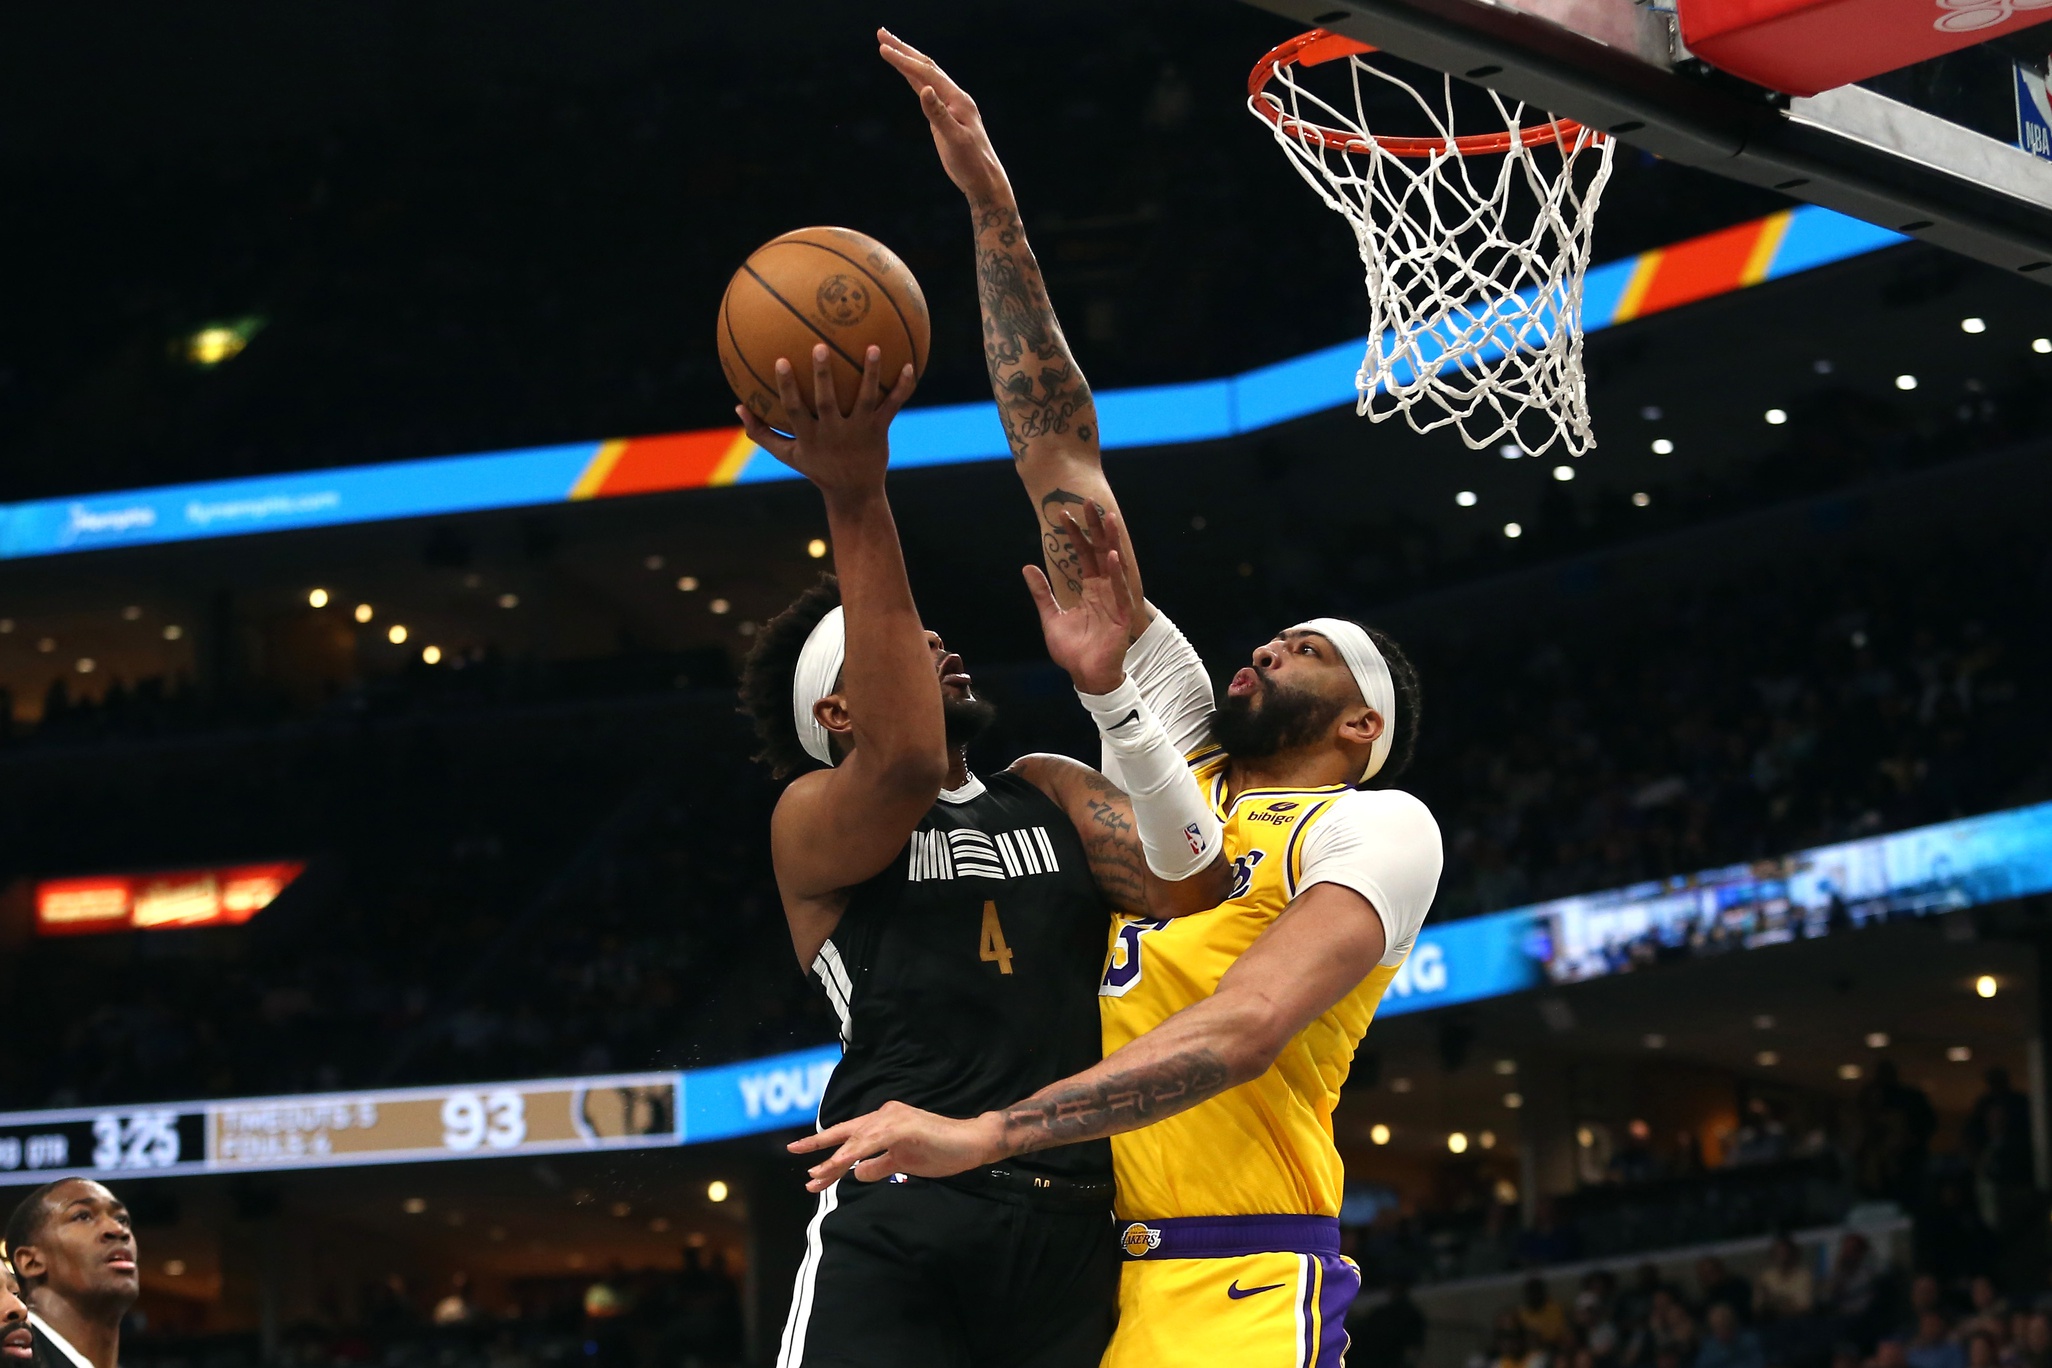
1228, 1237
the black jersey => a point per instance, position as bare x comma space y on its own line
965, 975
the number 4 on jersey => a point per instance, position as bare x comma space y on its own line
994, 950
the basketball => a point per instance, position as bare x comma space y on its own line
831, 285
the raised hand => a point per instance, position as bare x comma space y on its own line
1090, 639
965, 150
840, 453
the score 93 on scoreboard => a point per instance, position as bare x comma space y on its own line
408, 1125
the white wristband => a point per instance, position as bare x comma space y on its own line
1179, 832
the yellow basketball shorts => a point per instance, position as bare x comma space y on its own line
1232, 1291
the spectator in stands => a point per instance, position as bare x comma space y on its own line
1635, 1304
1510, 1347
17, 1336
1728, 1343
1671, 1328
1544, 1321
1717, 1285
2032, 1347
1852, 1293
1595, 1318
1997, 1141
1933, 1345
1786, 1289
1634, 1160
1761, 1138
1896, 1123
1981, 1351
1391, 1334
1988, 1312
74, 1252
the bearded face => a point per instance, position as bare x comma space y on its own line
1270, 720
966, 718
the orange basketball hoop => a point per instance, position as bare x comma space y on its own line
1474, 270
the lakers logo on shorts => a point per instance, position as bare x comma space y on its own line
1139, 1241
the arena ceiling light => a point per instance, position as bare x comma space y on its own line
1776, 417
2041, 345
717, 1191
1378, 1134
1973, 325
816, 548
1466, 498
1905, 382
317, 598
1662, 447
1985, 985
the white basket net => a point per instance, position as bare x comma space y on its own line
1474, 258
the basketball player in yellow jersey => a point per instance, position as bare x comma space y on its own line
1228, 1034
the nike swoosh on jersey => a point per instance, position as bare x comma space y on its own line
1129, 717
1235, 1291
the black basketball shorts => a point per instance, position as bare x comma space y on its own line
953, 1275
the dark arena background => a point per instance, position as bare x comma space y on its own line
387, 912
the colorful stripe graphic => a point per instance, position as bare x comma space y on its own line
1159, 415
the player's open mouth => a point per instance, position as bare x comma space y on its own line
121, 1263
1245, 682
18, 1343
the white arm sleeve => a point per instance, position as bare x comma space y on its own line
1165, 667
1384, 845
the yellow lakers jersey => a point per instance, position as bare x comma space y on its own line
1265, 1147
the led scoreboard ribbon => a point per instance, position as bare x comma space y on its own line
1924, 871
414, 1125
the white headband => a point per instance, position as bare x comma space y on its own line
1371, 672
819, 669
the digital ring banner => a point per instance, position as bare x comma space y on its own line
1845, 887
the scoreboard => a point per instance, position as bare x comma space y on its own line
413, 1125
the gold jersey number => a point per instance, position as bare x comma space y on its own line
994, 950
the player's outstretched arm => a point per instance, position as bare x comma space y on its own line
838, 826
1312, 956
1049, 416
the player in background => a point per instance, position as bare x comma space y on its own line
73, 1249
17, 1336
957, 925
1227, 1035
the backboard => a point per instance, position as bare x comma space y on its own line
1928, 151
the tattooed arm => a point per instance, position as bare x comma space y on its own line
1103, 817
1049, 416
1321, 947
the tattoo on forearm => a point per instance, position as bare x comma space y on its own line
1118, 864
1063, 1115
1040, 391
1059, 546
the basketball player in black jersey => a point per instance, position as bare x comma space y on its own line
958, 925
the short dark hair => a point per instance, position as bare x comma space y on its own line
772, 665
25, 1223
1410, 708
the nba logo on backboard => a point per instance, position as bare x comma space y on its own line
2033, 114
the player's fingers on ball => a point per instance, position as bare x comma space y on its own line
872, 373
908, 380
787, 391
824, 400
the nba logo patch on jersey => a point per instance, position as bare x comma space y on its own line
1139, 1240
1194, 834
